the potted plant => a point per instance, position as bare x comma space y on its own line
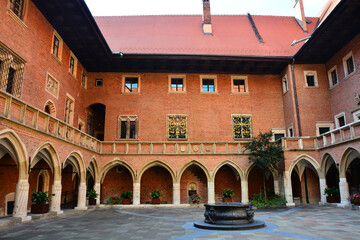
332, 195
355, 199
194, 198
40, 200
228, 193
113, 200
155, 196
92, 195
126, 197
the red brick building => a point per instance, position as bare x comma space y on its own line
167, 102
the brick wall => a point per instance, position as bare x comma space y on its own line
193, 174
226, 179
256, 182
115, 182
8, 178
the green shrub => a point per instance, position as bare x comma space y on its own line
41, 197
227, 193
260, 200
155, 194
92, 194
126, 194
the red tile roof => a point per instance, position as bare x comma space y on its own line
182, 34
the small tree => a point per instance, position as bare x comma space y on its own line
264, 154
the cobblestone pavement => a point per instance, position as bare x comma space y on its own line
309, 222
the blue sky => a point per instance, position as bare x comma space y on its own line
166, 7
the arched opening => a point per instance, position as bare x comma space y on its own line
156, 177
9, 174
227, 178
90, 177
50, 108
70, 179
256, 182
116, 180
353, 176
192, 176
96, 120
305, 182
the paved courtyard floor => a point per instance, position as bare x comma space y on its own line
309, 222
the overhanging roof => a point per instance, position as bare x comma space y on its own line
340, 27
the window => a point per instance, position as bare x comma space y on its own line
177, 126
285, 85
177, 84
310, 79
340, 120
356, 115
333, 76
98, 83
323, 127
278, 134
17, 7
131, 85
239, 84
11, 72
127, 127
56, 48
290, 131
208, 84
73, 65
242, 126
349, 65
69, 110
84, 79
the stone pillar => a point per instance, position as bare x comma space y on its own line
176, 193
322, 189
276, 187
288, 189
244, 191
344, 192
211, 192
97, 188
81, 197
136, 194
55, 204
21, 200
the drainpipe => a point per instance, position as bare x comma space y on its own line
295, 97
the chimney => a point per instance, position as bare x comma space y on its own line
300, 14
207, 28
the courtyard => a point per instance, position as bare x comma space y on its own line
306, 222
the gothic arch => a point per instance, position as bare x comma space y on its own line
252, 165
345, 162
52, 109
230, 163
156, 163
94, 169
323, 164
106, 168
48, 152
76, 160
308, 158
197, 163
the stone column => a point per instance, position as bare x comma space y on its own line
136, 194
97, 188
211, 192
176, 193
322, 189
288, 189
21, 200
244, 191
276, 187
344, 192
55, 204
81, 197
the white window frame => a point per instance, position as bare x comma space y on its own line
328, 124
288, 130
73, 75
311, 73
285, 87
131, 76
347, 56
245, 78
337, 116
277, 131
183, 77
330, 77
208, 77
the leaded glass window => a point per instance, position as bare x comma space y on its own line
242, 126
177, 126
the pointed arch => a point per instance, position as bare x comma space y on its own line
93, 164
323, 164
197, 163
108, 166
48, 152
51, 107
76, 159
344, 162
309, 159
230, 163
12, 144
156, 163
252, 165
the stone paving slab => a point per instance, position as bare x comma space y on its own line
309, 222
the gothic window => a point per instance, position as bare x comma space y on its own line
128, 127
17, 7
177, 126
69, 110
242, 126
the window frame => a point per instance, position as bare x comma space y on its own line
99, 79
347, 56
251, 125
73, 74
337, 116
323, 124
290, 127
183, 77
214, 77
57, 57
84, 79
311, 73
128, 119
246, 86
277, 131
22, 18
285, 84
331, 85
356, 114
69, 116
123, 84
